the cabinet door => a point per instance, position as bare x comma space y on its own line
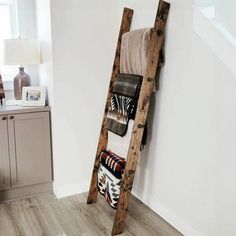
30, 149
5, 182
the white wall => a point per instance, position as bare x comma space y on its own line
84, 40
27, 28
186, 173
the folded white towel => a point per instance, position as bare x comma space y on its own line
120, 145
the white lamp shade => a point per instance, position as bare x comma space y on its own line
21, 52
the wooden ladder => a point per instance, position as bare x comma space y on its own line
155, 45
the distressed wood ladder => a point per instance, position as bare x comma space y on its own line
155, 45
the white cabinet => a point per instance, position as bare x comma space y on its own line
25, 152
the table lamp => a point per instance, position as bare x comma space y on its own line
21, 52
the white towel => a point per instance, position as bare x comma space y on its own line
120, 145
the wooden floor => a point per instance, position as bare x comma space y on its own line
45, 215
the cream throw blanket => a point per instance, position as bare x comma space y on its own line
134, 51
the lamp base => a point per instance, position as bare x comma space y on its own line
21, 80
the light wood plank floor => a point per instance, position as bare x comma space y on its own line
44, 215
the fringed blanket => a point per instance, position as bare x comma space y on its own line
123, 103
110, 176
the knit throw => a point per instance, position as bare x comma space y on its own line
110, 176
134, 52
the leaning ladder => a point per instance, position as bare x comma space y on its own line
155, 45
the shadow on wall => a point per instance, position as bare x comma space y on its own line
146, 156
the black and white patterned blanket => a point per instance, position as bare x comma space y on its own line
123, 103
110, 176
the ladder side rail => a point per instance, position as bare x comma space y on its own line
102, 143
141, 116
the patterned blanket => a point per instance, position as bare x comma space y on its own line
123, 103
110, 176
113, 163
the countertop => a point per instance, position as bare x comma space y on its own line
7, 110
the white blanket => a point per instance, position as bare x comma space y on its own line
120, 145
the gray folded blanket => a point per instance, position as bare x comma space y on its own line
123, 103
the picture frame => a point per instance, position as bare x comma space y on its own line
33, 96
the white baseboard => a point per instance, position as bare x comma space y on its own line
69, 190
171, 218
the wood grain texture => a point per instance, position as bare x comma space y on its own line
45, 215
102, 144
141, 116
27, 191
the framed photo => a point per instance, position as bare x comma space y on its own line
33, 96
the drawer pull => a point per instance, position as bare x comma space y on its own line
11, 117
4, 118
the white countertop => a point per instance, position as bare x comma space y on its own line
5, 110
